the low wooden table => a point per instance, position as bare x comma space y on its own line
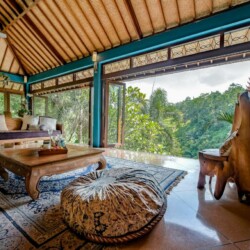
27, 163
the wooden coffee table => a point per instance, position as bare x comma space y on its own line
27, 163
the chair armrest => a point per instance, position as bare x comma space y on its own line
59, 127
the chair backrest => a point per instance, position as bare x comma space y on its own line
239, 156
237, 118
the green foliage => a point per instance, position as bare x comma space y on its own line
158, 126
71, 108
201, 128
15, 104
23, 110
39, 106
148, 125
1, 103
226, 117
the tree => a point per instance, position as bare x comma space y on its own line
141, 133
201, 128
158, 105
144, 133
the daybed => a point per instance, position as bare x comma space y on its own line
15, 134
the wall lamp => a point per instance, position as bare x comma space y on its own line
94, 60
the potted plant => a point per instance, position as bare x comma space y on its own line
24, 109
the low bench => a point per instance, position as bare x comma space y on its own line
16, 135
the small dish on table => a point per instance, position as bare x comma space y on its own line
52, 151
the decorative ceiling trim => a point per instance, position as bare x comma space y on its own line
238, 52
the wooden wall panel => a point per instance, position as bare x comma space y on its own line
171, 13
117, 20
128, 20
15, 67
95, 23
142, 15
203, 8
186, 10
104, 19
219, 5
156, 15
8, 61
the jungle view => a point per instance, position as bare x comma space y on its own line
151, 124
181, 129
70, 108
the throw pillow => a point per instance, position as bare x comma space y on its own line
29, 119
227, 145
48, 122
3, 126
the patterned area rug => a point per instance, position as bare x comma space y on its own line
28, 224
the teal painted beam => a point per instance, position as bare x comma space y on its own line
97, 110
229, 19
62, 70
14, 77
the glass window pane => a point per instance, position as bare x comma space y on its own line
15, 104
39, 106
115, 112
1, 103
71, 108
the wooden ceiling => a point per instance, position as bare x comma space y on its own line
8, 60
44, 34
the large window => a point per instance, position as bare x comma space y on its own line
115, 110
70, 108
1, 103
15, 104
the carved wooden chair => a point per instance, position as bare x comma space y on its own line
236, 165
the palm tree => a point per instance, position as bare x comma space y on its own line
226, 117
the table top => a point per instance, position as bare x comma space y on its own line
30, 157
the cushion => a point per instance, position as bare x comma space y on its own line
23, 134
112, 203
225, 148
29, 119
33, 127
48, 122
3, 126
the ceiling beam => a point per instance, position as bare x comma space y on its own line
135, 21
15, 56
230, 19
14, 77
57, 55
18, 9
26, 18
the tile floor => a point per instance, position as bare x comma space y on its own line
194, 219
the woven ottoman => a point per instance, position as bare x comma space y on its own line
113, 206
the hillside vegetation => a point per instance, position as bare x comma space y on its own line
180, 129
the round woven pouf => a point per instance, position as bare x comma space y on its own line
113, 206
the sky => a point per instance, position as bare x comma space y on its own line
193, 83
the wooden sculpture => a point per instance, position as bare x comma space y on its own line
236, 165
